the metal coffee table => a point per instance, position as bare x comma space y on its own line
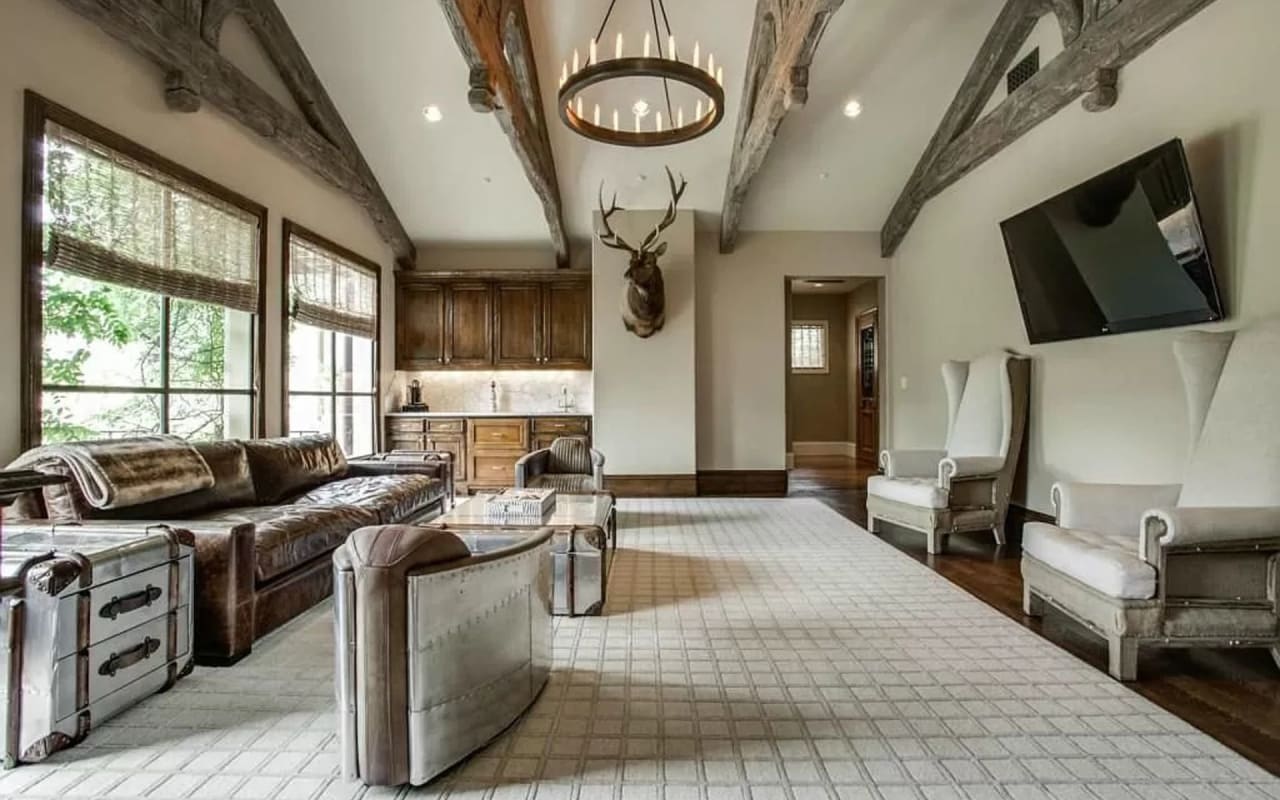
582, 547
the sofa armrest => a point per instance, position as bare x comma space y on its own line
911, 463
1109, 508
531, 466
1168, 528
435, 465
962, 467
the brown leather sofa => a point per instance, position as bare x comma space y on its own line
265, 530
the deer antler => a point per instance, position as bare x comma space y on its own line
670, 216
610, 237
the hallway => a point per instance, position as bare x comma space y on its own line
1232, 695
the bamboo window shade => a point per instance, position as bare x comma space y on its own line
111, 218
331, 292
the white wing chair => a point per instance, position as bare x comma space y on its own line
1189, 565
964, 487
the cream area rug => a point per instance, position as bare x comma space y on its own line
749, 650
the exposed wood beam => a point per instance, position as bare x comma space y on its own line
1116, 35
195, 70
1070, 14
493, 36
783, 42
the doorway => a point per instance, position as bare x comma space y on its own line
867, 400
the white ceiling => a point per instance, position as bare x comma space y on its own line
458, 182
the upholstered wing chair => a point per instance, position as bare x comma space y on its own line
964, 487
1189, 565
569, 466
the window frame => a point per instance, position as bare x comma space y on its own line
289, 229
825, 327
38, 112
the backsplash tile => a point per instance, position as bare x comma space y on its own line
518, 390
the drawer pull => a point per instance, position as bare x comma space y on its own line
130, 602
128, 658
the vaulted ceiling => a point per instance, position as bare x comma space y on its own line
458, 181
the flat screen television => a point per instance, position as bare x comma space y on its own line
1123, 252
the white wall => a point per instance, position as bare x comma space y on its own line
49, 49
1108, 408
742, 383
645, 402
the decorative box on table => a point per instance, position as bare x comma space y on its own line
92, 620
531, 504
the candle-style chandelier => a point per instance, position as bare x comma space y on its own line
641, 125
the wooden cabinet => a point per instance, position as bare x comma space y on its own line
449, 436
460, 321
494, 446
547, 429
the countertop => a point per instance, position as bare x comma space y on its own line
513, 414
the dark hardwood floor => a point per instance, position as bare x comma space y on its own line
1233, 695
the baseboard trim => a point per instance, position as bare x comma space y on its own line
742, 483
1019, 516
652, 485
846, 449
791, 460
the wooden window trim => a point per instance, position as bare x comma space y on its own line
38, 112
289, 230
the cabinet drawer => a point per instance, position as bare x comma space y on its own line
445, 425
499, 432
499, 469
563, 426
400, 425
124, 603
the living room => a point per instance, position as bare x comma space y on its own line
301, 290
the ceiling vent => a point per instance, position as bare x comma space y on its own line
1023, 70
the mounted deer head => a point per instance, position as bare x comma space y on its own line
644, 302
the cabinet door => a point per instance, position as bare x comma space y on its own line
420, 329
517, 322
455, 444
567, 325
469, 330
397, 440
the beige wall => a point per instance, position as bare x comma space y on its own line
1106, 409
645, 403
49, 49
864, 298
742, 336
818, 404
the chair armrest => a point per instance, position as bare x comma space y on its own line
597, 468
1165, 528
911, 463
1109, 508
950, 469
531, 466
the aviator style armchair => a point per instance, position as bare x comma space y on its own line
569, 465
1189, 565
966, 486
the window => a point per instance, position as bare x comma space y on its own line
809, 347
331, 350
143, 291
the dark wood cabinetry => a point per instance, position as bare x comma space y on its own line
461, 321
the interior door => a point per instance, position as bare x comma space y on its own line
868, 385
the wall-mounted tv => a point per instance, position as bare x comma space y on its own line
1122, 252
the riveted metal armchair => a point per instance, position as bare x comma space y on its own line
569, 465
1195, 564
966, 486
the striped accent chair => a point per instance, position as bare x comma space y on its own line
569, 465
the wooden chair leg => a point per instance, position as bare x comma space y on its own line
1122, 658
1032, 604
1275, 653
998, 530
936, 543
872, 524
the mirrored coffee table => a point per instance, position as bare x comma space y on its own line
582, 547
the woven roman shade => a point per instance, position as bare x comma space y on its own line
331, 292
111, 218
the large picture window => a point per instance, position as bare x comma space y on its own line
144, 291
331, 351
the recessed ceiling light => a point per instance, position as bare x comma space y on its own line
852, 109
432, 113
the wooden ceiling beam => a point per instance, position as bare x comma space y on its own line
783, 42
494, 38
171, 35
1112, 35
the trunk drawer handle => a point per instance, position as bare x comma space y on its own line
128, 658
130, 602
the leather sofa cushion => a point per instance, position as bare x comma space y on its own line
232, 486
285, 467
391, 498
918, 492
286, 537
1108, 564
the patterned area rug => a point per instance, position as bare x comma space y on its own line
750, 650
